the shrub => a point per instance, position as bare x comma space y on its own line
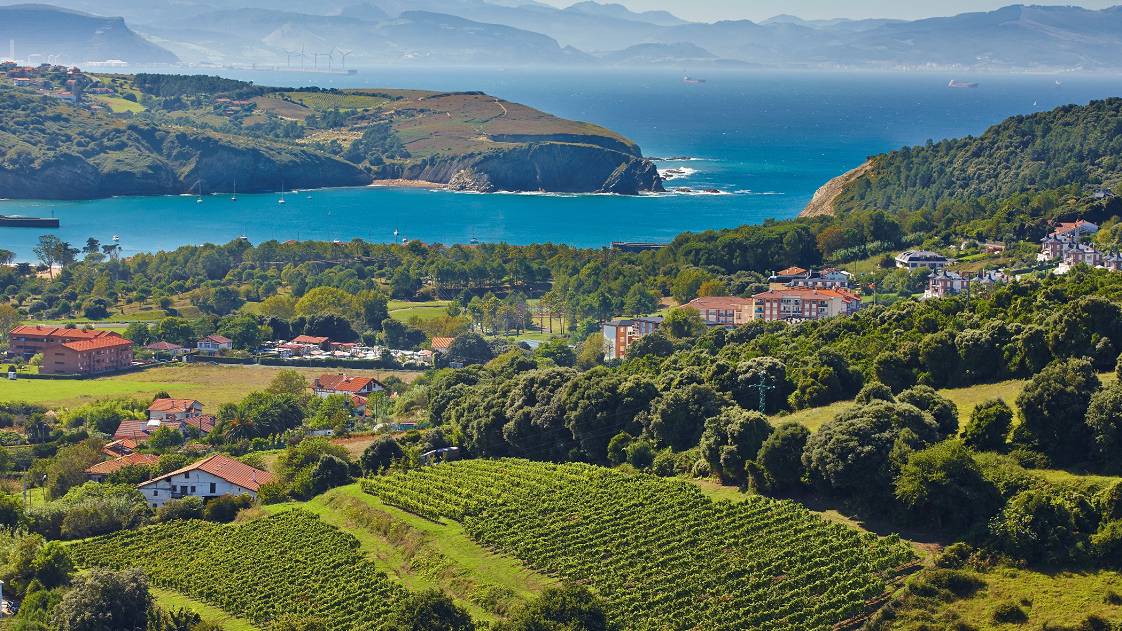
781, 456
617, 448
943, 485
989, 426
225, 508
1009, 613
1038, 525
640, 454
874, 391
185, 508
1104, 422
942, 409
1106, 544
1053, 406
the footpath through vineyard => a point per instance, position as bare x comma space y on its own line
660, 552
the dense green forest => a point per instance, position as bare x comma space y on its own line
1070, 151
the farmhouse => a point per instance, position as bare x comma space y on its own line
174, 409
140, 431
102, 470
327, 385
442, 344
213, 476
212, 344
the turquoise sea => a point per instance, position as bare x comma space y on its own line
765, 140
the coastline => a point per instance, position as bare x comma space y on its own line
402, 183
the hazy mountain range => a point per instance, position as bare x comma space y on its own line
518, 32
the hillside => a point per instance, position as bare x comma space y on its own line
1077, 148
74, 38
156, 134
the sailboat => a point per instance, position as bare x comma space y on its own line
281, 200
199, 199
234, 197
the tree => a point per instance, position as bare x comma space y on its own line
989, 426
104, 600
399, 335
655, 344
68, 468
677, 418
683, 323
332, 326
330, 472
430, 610
470, 348
11, 511
639, 301
380, 455
557, 350
781, 455
687, 283
288, 381
566, 608
874, 391
591, 353
139, 333
734, 435
943, 485
10, 317
942, 409
1053, 406
244, 331
176, 330
327, 300
1039, 525
850, 454
374, 308
1104, 421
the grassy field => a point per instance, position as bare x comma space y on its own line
404, 310
119, 105
211, 385
422, 554
965, 398
171, 600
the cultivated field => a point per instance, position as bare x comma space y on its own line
210, 384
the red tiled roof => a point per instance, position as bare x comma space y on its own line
791, 271
172, 405
121, 447
343, 383
719, 302
61, 332
799, 293
218, 339
112, 466
204, 422
310, 339
139, 430
442, 344
226, 468
97, 344
164, 346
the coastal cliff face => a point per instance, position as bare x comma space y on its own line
549, 166
823, 201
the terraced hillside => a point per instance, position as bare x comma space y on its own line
659, 551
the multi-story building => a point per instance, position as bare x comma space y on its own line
945, 283
1083, 254
213, 344
803, 304
31, 340
96, 356
621, 334
723, 310
828, 278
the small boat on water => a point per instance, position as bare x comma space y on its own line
19, 221
688, 80
960, 85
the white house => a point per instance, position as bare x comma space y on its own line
213, 476
327, 385
914, 259
215, 344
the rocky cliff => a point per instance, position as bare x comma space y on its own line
823, 201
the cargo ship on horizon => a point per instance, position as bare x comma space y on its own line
19, 221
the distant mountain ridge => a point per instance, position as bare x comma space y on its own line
516, 32
73, 37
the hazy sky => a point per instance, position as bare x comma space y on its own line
710, 10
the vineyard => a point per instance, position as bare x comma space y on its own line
290, 562
660, 552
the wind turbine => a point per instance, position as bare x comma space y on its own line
343, 54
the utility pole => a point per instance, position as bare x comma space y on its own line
763, 387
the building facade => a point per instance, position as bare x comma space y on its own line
27, 341
945, 283
723, 310
795, 305
174, 409
920, 259
213, 344
622, 333
214, 476
88, 357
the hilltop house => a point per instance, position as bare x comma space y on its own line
213, 476
918, 259
213, 344
945, 283
620, 334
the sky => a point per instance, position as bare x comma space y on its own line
712, 10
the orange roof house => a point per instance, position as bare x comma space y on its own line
327, 385
214, 476
101, 470
442, 344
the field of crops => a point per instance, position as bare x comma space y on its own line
661, 553
289, 562
337, 100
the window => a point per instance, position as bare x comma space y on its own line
212, 488
187, 476
183, 490
192, 490
155, 493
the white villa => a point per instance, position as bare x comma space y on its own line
213, 476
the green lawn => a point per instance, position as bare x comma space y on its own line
119, 105
423, 554
171, 600
405, 310
965, 398
209, 384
